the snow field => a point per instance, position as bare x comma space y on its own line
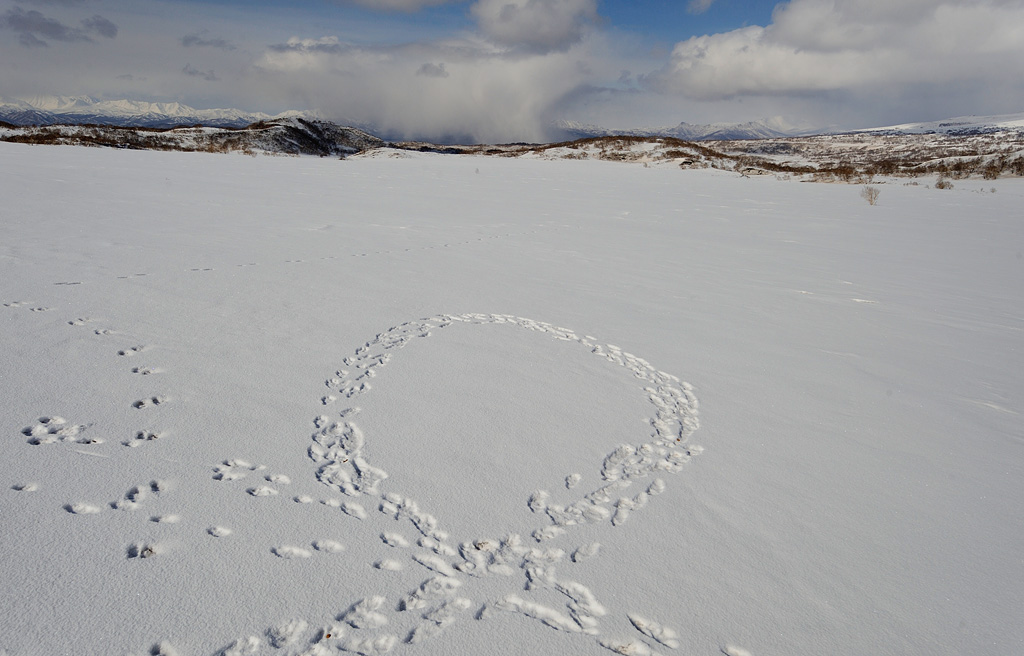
254, 403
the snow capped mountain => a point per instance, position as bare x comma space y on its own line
57, 103
49, 110
960, 125
761, 129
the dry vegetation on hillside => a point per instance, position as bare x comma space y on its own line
863, 155
285, 137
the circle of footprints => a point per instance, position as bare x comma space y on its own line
338, 450
531, 564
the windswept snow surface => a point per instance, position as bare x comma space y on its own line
443, 405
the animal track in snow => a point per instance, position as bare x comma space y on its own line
363, 614
143, 550
83, 321
82, 508
328, 546
527, 571
142, 437
50, 430
627, 647
163, 648
146, 371
585, 552
666, 636
353, 509
234, 469
289, 552
149, 402
134, 350
339, 453
134, 497
394, 540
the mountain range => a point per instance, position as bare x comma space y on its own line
761, 129
78, 110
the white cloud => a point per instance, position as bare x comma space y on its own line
397, 5
699, 6
538, 26
824, 45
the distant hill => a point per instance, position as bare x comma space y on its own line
288, 136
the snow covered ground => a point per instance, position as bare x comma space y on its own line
190, 341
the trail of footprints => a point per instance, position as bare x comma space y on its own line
53, 429
629, 478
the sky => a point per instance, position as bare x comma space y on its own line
507, 70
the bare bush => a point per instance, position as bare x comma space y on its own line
870, 194
943, 183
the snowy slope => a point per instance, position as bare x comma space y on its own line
963, 125
195, 344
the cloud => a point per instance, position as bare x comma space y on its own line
65, 3
537, 26
431, 69
488, 94
699, 6
198, 41
32, 25
397, 5
29, 40
823, 46
195, 72
100, 25
302, 48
